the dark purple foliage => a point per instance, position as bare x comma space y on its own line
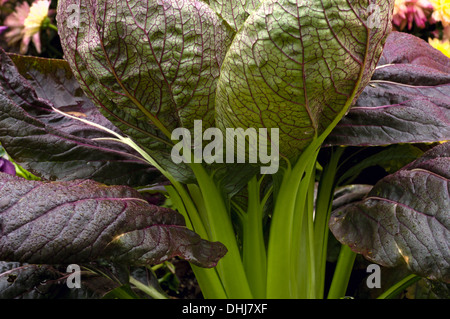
403, 220
406, 101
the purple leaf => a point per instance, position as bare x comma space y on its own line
82, 221
54, 146
407, 100
405, 218
22, 281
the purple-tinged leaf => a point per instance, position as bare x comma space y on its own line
32, 281
405, 218
407, 100
53, 81
82, 221
349, 194
404, 51
54, 146
150, 66
25, 281
235, 13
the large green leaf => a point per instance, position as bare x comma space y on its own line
151, 66
82, 221
405, 218
297, 65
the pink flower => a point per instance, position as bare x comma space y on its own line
407, 12
24, 24
15, 21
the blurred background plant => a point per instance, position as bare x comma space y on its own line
427, 19
27, 27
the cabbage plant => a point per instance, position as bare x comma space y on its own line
137, 71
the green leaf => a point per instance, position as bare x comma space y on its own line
235, 12
122, 292
151, 66
82, 221
296, 65
404, 219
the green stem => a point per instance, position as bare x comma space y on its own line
393, 291
312, 271
278, 286
301, 269
254, 251
230, 268
186, 205
52, 26
342, 273
199, 202
152, 292
207, 278
280, 281
324, 203
186, 208
209, 282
